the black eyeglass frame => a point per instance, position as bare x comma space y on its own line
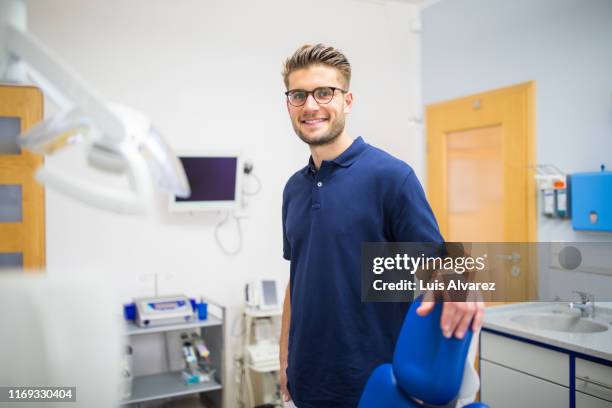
333, 88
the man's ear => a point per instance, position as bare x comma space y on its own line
348, 102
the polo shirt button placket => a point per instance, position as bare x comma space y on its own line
316, 196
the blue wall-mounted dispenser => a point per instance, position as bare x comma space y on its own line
591, 200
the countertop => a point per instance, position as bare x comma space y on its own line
599, 345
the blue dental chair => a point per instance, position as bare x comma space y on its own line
427, 368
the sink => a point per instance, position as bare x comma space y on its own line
562, 323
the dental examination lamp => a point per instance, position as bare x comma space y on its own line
117, 139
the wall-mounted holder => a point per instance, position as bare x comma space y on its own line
591, 200
552, 183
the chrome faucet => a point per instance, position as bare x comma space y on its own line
586, 305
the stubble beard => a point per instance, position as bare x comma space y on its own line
335, 130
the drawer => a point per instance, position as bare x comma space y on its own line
587, 401
502, 387
594, 379
538, 361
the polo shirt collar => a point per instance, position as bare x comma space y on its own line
345, 159
350, 155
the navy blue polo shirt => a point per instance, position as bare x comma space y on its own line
335, 340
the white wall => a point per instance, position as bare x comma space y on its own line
208, 73
471, 46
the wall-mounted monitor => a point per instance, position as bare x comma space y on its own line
215, 182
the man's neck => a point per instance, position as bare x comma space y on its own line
330, 151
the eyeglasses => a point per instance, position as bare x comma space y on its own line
322, 95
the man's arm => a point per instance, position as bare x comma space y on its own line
414, 221
284, 344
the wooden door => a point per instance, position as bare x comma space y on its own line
480, 152
22, 199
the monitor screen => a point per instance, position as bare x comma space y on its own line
213, 181
269, 293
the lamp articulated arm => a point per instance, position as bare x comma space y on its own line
122, 140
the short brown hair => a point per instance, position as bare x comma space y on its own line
319, 54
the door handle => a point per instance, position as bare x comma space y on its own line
513, 257
589, 380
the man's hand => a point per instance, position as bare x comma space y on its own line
283, 382
456, 316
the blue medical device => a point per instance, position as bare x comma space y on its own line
591, 201
427, 368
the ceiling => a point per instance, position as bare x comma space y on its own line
420, 3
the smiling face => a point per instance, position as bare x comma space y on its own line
319, 124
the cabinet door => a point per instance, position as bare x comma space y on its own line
502, 387
594, 379
537, 361
587, 401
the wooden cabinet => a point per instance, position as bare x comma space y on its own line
22, 198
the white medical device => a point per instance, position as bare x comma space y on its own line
263, 356
263, 294
159, 311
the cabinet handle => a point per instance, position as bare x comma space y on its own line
589, 380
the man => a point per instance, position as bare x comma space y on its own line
350, 192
